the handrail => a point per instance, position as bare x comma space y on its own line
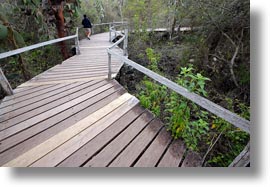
119, 22
35, 46
221, 112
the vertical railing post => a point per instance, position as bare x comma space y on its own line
5, 84
77, 45
109, 65
114, 30
125, 43
92, 29
110, 36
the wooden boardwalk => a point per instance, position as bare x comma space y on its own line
72, 116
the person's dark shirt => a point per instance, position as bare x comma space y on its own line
86, 23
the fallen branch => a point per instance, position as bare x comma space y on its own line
211, 147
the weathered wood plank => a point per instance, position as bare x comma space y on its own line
71, 112
24, 92
243, 159
154, 152
30, 122
120, 142
72, 77
173, 155
58, 98
50, 98
131, 153
192, 159
44, 148
92, 147
60, 153
35, 83
29, 102
30, 97
32, 137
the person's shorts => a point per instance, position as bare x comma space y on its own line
87, 29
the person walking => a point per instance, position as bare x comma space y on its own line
87, 26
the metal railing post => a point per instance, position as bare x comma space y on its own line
77, 45
109, 66
125, 43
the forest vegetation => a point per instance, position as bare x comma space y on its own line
212, 59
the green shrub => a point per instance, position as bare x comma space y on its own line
185, 118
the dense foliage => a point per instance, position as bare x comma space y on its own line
27, 22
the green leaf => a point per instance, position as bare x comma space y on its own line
3, 32
18, 38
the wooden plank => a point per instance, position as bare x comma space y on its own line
155, 151
103, 77
16, 110
32, 96
71, 73
22, 106
243, 159
221, 112
94, 64
47, 114
131, 153
60, 153
32, 137
44, 148
24, 92
192, 159
52, 101
73, 77
95, 145
28, 133
173, 155
82, 67
68, 75
83, 70
104, 158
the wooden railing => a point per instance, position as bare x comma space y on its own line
219, 111
3, 80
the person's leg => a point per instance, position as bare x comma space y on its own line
86, 32
89, 33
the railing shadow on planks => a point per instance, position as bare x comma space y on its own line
243, 159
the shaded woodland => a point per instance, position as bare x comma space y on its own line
211, 59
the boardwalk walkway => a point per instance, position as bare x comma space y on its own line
72, 116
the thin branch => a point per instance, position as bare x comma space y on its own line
229, 38
211, 146
232, 64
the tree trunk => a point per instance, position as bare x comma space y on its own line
60, 25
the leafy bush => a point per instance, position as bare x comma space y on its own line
185, 118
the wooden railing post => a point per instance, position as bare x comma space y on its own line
125, 43
109, 66
114, 30
110, 34
77, 45
243, 159
5, 84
